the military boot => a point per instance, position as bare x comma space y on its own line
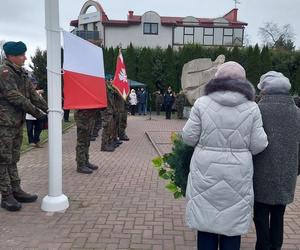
22, 196
124, 138
9, 203
117, 143
84, 170
108, 148
92, 166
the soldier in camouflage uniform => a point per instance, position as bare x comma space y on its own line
17, 97
179, 103
97, 126
159, 100
107, 140
121, 117
85, 121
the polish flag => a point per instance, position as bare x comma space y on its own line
84, 78
120, 80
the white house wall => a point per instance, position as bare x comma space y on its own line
135, 34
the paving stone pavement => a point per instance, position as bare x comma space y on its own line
123, 205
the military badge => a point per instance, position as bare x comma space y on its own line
4, 73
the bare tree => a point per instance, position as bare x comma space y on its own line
275, 36
1, 51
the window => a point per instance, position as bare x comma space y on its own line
208, 36
178, 35
151, 28
218, 36
198, 35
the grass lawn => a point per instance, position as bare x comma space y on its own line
44, 135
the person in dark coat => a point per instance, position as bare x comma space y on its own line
168, 102
142, 101
276, 168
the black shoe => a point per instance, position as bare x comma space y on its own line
124, 138
93, 138
84, 170
118, 142
22, 196
92, 166
10, 203
108, 148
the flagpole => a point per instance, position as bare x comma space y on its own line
55, 201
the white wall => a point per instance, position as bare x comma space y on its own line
134, 34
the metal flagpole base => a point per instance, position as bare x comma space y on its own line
55, 203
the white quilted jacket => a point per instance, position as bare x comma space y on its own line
226, 130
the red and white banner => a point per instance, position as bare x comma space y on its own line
84, 78
120, 81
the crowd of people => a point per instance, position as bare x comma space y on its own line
167, 101
245, 160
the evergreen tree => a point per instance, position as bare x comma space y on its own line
234, 55
281, 61
130, 57
297, 81
157, 70
253, 65
39, 67
144, 74
109, 61
170, 70
266, 61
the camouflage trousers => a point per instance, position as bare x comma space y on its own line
158, 108
10, 146
180, 112
84, 130
98, 123
108, 127
122, 123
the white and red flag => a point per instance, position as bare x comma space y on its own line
84, 78
120, 81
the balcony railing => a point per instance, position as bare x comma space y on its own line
87, 35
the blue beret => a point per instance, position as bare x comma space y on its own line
14, 48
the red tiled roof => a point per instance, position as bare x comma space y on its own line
231, 17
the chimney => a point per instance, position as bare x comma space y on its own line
130, 14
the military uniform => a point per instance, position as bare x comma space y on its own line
85, 121
159, 100
97, 126
121, 117
17, 97
108, 123
179, 103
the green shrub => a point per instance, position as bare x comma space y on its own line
175, 166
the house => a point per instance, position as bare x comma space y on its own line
152, 30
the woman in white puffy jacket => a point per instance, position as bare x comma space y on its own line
225, 127
132, 101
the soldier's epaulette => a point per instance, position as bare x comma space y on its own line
4, 72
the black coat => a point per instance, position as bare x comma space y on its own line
276, 168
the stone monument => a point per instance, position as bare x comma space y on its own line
196, 74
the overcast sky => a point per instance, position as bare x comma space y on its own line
24, 19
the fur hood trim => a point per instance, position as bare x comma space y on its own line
227, 84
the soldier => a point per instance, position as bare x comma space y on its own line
159, 100
121, 116
107, 143
17, 97
179, 103
85, 121
97, 126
